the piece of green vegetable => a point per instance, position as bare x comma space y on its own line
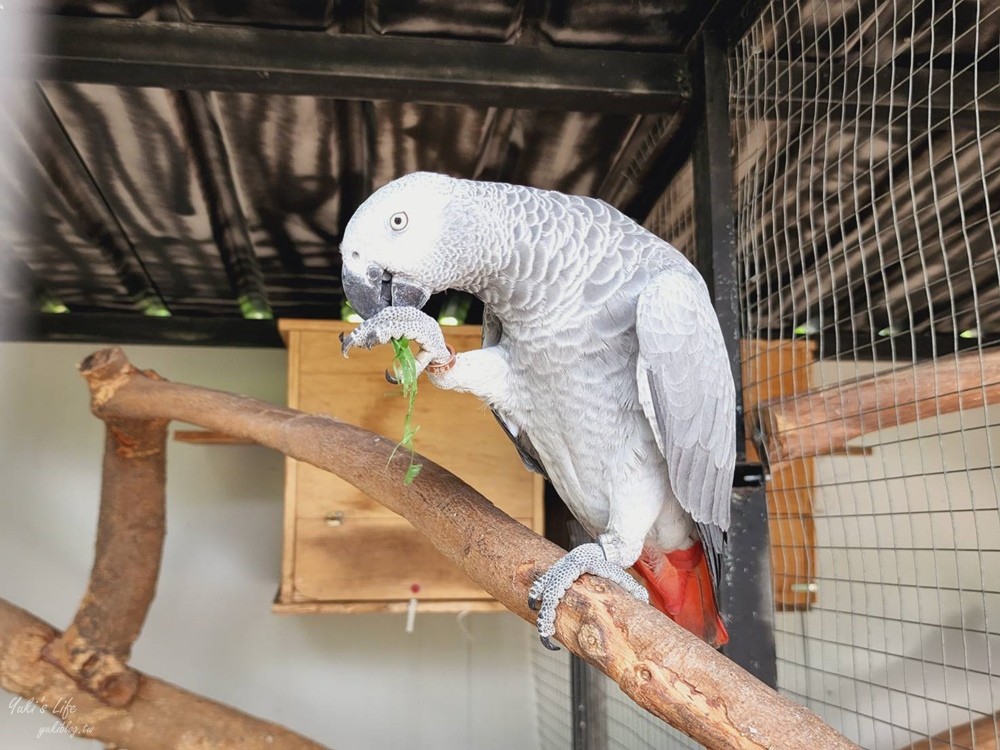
404, 366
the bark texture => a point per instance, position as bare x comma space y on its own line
130, 531
661, 666
822, 422
162, 717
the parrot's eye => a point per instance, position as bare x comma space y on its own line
398, 221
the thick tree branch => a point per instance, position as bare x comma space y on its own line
822, 422
130, 532
162, 717
662, 667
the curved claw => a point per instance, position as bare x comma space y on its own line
549, 588
549, 644
345, 344
390, 378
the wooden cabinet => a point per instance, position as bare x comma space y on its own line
343, 551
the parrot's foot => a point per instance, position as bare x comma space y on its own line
400, 322
553, 584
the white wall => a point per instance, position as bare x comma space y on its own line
347, 681
904, 639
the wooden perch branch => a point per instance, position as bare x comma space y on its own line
163, 717
661, 666
822, 422
130, 531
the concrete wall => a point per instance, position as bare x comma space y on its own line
348, 681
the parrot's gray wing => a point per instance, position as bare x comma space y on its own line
492, 331
687, 393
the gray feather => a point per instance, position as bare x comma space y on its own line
492, 332
693, 410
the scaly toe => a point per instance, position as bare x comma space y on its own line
548, 590
535, 593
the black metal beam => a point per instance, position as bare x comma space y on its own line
347, 66
715, 235
733, 18
746, 595
865, 345
659, 148
117, 328
809, 92
745, 590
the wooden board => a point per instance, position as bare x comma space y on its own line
424, 606
368, 559
775, 371
373, 559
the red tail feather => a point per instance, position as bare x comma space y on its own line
680, 586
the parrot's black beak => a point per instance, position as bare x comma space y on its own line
377, 289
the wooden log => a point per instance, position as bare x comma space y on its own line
661, 666
163, 717
130, 531
822, 422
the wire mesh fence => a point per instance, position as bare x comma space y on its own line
551, 673
867, 199
868, 167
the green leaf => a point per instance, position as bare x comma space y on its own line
411, 473
404, 366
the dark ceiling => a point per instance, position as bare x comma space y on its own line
182, 171
179, 169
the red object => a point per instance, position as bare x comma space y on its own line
444, 366
680, 586
415, 588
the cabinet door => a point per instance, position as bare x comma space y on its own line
373, 559
348, 547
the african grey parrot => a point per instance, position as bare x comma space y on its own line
602, 358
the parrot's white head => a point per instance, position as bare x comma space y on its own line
400, 246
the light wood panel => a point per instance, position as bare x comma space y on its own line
368, 558
374, 559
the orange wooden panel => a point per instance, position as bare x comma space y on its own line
775, 370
